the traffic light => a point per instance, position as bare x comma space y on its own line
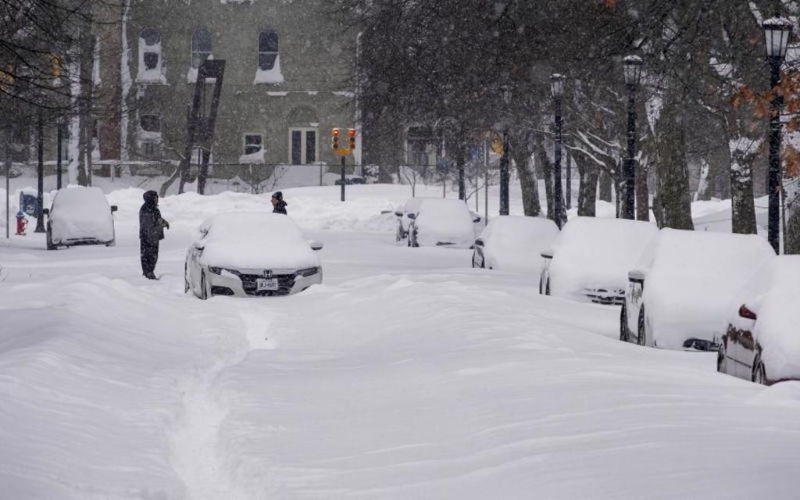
335, 139
351, 134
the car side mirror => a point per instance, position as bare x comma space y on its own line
477, 219
636, 276
547, 254
479, 242
114, 208
46, 211
411, 216
746, 313
198, 245
398, 213
315, 245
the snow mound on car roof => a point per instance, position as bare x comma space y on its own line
597, 253
515, 242
693, 279
255, 240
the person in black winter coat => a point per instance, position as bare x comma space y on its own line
151, 232
278, 205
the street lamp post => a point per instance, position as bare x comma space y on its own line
504, 161
633, 75
557, 89
776, 33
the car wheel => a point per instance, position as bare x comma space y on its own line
203, 286
759, 373
624, 331
186, 285
547, 287
412, 237
49, 237
642, 333
722, 361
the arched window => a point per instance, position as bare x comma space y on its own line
201, 47
267, 50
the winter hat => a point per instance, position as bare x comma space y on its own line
278, 195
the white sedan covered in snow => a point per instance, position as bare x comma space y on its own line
762, 342
591, 258
442, 222
514, 242
80, 216
679, 295
251, 254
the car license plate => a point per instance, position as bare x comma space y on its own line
266, 284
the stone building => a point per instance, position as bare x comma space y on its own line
286, 83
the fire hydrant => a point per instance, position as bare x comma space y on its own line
22, 223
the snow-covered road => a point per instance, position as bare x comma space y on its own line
407, 375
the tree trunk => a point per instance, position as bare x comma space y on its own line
606, 187
587, 190
673, 175
743, 152
792, 238
528, 182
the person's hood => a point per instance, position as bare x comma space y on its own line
150, 197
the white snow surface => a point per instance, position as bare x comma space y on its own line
444, 221
774, 296
516, 242
407, 375
592, 253
692, 280
81, 212
254, 240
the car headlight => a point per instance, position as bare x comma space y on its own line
310, 271
218, 270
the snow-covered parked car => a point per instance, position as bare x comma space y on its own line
403, 221
80, 216
591, 258
514, 242
678, 296
442, 222
762, 341
251, 254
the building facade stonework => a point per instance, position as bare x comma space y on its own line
286, 83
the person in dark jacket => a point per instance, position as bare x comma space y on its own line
278, 205
151, 232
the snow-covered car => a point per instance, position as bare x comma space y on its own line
442, 222
514, 242
591, 258
761, 341
403, 221
251, 254
80, 216
678, 296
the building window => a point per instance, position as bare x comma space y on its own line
150, 61
150, 123
267, 50
269, 61
252, 143
201, 47
303, 146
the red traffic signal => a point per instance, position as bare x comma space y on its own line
351, 133
335, 138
